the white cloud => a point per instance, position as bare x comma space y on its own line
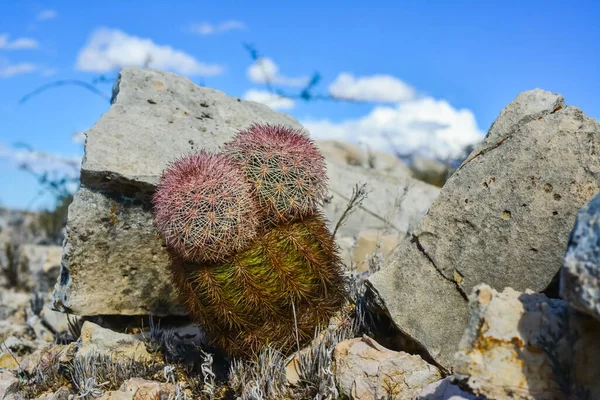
49, 72
272, 100
210, 29
46, 15
9, 70
79, 137
425, 125
378, 88
40, 162
17, 44
108, 49
265, 70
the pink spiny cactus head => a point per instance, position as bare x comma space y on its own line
204, 208
285, 168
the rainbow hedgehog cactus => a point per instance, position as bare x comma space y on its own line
252, 258
285, 168
204, 209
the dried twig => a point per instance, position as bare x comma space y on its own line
359, 194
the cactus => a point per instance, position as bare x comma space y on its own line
204, 209
275, 292
285, 168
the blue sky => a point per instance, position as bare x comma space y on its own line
434, 73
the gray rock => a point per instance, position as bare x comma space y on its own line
351, 154
502, 218
156, 116
98, 341
430, 170
43, 265
580, 274
445, 389
8, 383
61, 394
366, 370
527, 346
39, 329
113, 261
393, 203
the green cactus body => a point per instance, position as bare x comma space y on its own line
289, 277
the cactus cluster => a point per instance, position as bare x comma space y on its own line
252, 258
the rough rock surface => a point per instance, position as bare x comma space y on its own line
8, 383
141, 389
95, 340
401, 201
429, 170
43, 263
503, 218
366, 370
113, 260
526, 346
445, 390
371, 241
580, 274
352, 154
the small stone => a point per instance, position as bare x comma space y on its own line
95, 340
366, 370
526, 346
8, 361
8, 384
141, 389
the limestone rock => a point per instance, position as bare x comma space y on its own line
8, 383
141, 389
95, 340
113, 261
344, 153
109, 241
366, 370
19, 346
445, 389
46, 355
502, 218
43, 263
41, 332
155, 117
580, 274
61, 394
526, 346
8, 361
429, 170
402, 202
367, 244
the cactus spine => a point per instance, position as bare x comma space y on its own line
252, 258
250, 300
203, 208
285, 168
